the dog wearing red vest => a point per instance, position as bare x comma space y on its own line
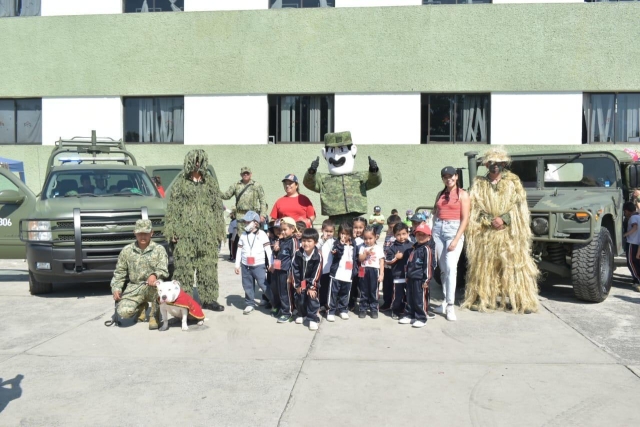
177, 303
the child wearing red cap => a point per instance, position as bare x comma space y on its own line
418, 271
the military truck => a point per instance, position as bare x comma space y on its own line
576, 202
74, 229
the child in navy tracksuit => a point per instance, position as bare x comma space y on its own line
396, 256
343, 270
305, 275
283, 253
387, 283
419, 271
325, 245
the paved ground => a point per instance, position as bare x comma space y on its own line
571, 364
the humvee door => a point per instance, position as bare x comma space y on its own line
17, 202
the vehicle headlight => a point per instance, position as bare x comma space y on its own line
540, 226
40, 231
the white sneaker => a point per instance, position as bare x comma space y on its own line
313, 326
418, 324
451, 314
331, 318
299, 320
442, 309
344, 316
248, 309
405, 321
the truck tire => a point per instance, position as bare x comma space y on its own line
37, 288
592, 268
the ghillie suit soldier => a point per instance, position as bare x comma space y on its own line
195, 225
501, 271
343, 192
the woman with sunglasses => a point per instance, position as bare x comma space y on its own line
293, 204
451, 218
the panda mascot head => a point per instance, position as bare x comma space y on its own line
339, 152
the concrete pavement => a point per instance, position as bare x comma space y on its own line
570, 364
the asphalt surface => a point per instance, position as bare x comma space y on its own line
570, 364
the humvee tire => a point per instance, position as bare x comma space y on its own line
37, 288
592, 268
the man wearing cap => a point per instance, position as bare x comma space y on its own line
142, 264
249, 195
343, 192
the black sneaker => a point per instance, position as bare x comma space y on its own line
374, 314
362, 314
385, 308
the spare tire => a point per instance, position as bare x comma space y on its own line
592, 268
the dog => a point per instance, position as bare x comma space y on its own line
178, 303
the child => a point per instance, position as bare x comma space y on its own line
252, 247
407, 220
305, 275
396, 257
301, 225
325, 245
232, 231
377, 220
283, 252
387, 283
419, 270
342, 271
394, 211
359, 224
633, 240
371, 273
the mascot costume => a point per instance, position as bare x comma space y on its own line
501, 271
343, 193
195, 224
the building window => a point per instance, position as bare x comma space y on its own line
611, 117
448, 117
432, 2
297, 4
158, 119
300, 118
19, 8
21, 121
135, 6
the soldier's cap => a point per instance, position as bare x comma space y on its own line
245, 169
251, 216
448, 170
338, 139
419, 217
423, 228
142, 226
290, 221
290, 177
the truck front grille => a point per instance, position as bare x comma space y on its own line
98, 228
533, 200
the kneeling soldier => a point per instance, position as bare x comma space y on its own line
142, 263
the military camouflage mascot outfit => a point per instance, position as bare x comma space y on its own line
195, 224
343, 193
501, 273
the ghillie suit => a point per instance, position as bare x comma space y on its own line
499, 261
195, 218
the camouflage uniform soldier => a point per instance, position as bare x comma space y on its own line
143, 263
249, 195
343, 193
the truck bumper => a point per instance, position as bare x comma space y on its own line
98, 263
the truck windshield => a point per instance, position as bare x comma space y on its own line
580, 172
99, 183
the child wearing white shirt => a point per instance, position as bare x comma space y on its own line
250, 257
371, 273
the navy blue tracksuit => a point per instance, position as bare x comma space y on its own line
281, 288
369, 289
310, 271
398, 274
419, 270
340, 290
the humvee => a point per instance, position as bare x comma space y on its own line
72, 232
575, 199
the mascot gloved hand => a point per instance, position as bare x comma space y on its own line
343, 192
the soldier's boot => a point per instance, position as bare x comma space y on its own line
154, 315
142, 312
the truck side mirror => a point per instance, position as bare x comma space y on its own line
11, 197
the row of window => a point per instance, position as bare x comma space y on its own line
446, 118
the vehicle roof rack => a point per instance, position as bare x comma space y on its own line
97, 149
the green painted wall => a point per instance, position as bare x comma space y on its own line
411, 173
506, 47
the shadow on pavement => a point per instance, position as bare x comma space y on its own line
78, 290
237, 301
13, 277
628, 299
10, 390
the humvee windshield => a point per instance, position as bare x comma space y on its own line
99, 183
587, 172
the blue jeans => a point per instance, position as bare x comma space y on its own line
250, 275
443, 234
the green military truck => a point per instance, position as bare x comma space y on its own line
74, 229
576, 202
